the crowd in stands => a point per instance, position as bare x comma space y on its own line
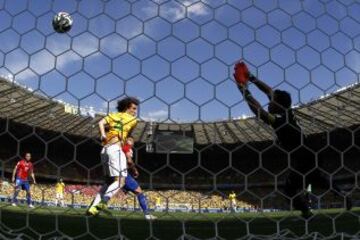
83, 194
80, 194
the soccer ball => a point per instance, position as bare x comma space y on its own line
62, 22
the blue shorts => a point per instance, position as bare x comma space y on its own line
24, 184
130, 184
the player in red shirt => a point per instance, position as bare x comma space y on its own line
22, 170
131, 185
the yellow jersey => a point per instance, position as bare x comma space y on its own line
158, 201
120, 125
232, 196
60, 187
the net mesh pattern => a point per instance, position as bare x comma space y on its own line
177, 57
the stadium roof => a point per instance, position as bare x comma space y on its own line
22, 105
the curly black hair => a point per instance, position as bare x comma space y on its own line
125, 103
283, 98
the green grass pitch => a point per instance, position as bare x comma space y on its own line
67, 223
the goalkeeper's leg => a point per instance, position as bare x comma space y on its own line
293, 189
328, 183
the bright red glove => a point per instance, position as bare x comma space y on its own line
241, 73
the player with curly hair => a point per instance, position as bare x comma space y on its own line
120, 125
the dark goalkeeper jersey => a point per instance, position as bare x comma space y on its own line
287, 130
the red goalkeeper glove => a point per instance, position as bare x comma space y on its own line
241, 73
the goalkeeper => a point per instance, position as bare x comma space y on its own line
289, 135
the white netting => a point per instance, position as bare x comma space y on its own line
196, 140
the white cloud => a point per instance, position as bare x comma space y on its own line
108, 106
188, 2
157, 115
56, 47
113, 45
174, 13
198, 9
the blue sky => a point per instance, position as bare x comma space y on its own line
177, 56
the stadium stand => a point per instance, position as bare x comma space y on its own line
80, 195
71, 151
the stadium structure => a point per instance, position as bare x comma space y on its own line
217, 156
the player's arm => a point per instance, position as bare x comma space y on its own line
131, 165
242, 75
129, 155
102, 123
14, 173
262, 86
130, 133
255, 106
33, 176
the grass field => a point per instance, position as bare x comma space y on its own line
66, 223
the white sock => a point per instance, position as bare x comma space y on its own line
112, 190
97, 200
99, 196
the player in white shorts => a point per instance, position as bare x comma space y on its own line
120, 125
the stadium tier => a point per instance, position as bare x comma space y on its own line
223, 156
22, 105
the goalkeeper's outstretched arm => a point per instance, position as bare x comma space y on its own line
262, 86
242, 76
255, 106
